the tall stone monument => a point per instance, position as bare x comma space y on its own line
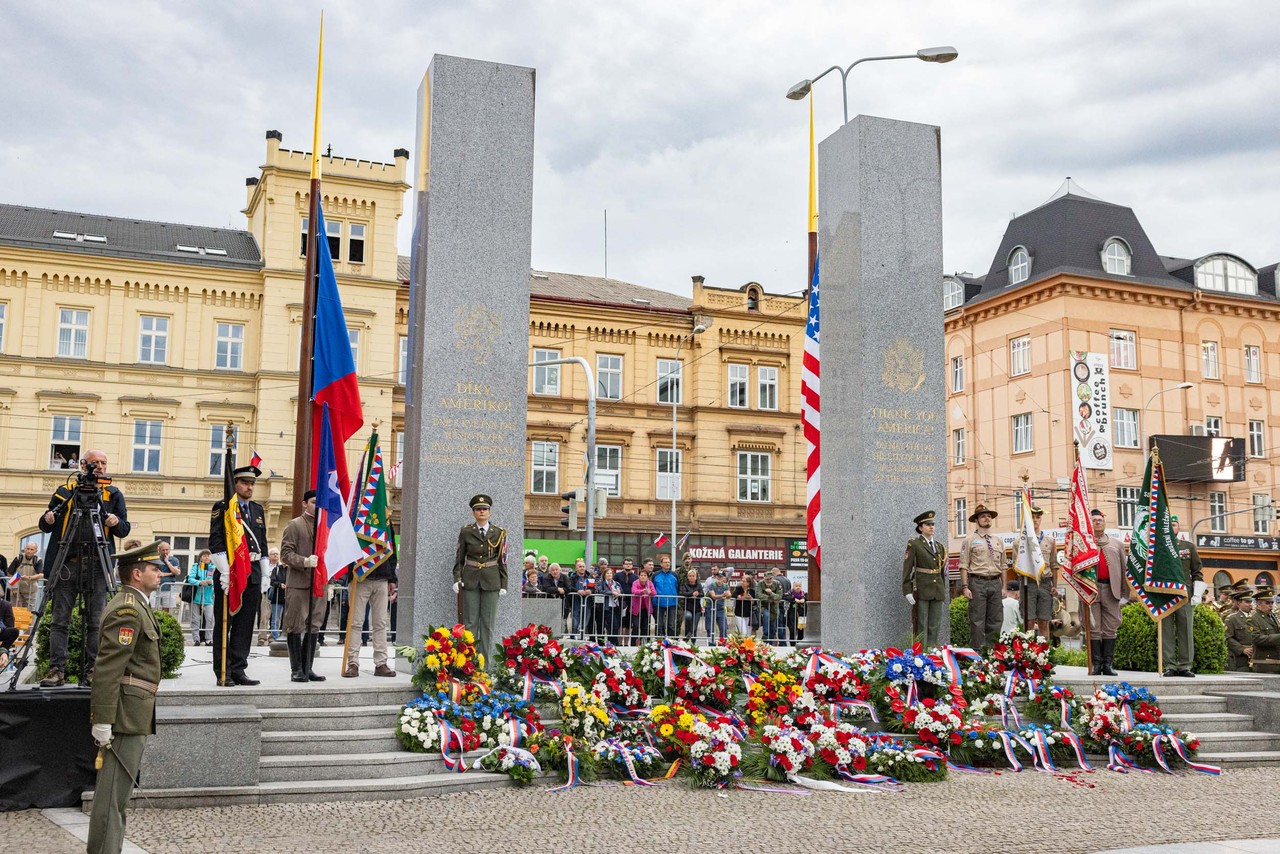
469, 313
883, 398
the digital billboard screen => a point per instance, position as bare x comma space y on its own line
1201, 459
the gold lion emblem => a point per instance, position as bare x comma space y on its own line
475, 330
903, 366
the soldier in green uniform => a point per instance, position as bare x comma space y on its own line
1266, 632
122, 706
924, 580
1177, 639
1239, 636
480, 572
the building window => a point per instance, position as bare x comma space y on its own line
546, 378
153, 339
4, 314
1116, 257
404, 360
64, 442
957, 374
670, 373
609, 468
397, 467
1124, 349
73, 333
1127, 433
1227, 275
1253, 364
355, 245
669, 463
1022, 433
302, 250
962, 517
608, 376
229, 355
753, 476
738, 386
1262, 514
1218, 512
957, 445
952, 293
333, 230
1127, 505
546, 468
218, 446
1213, 425
1209, 360
767, 385
353, 336
1020, 356
1019, 266
1257, 442
146, 447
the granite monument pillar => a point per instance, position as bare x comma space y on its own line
465, 407
883, 398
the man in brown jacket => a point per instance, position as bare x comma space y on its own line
303, 609
1113, 593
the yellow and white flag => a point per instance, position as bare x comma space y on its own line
1030, 559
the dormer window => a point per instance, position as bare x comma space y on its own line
1226, 274
952, 293
753, 299
1019, 265
1116, 257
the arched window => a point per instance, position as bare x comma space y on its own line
1263, 579
1226, 274
952, 293
1116, 257
753, 299
1019, 266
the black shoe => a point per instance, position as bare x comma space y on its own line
1171, 672
1187, 673
309, 643
242, 679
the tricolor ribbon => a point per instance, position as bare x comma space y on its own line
1074, 740
1060, 695
627, 761
1181, 749
1042, 750
950, 661
959, 766
931, 757
669, 653
1117, 761
879, 781
1008, 712
1126, 717
816, 657
532, 679
449, 735
620, 711
1007, 740
571, 763
748, 680
841, 705
911, 692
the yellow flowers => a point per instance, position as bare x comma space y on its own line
468, 637
432, 645
685, 721
666, 730
660, 711
433, 661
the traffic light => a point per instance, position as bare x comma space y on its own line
570, 510
601, 507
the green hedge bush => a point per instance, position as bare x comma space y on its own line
960, 621
172, 644
1136, 640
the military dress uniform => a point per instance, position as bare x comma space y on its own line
982, 574
480, 566
924, 577
1239, 635
126, 678
1177, 638
1265, 630
244, 622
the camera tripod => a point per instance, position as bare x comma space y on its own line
84, 547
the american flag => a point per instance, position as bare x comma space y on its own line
810, 417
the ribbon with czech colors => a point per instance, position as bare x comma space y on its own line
669, 653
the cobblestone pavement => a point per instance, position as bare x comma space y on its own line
970, 813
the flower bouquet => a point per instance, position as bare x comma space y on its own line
841, 746
418, 730
553, 748
789, 750
617, 685
583, 713
738, 655
673, 728
715, 754
520, 766
486, 721
449, 659
934, 722
649, 665
983, 746
777, 697
1142, 703
1025, 655
915, 673
627, 760
533, 650
703, 684
1140, 744
906, 765
1098, 721
585, 660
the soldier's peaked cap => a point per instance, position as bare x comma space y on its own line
149, 553
1241, 595
926, 516
480, 501
247, 473
1242, 584
1264, 593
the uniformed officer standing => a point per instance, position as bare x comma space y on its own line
480, 572
239, 636
122, 706
1239, 634
924, 580
303, 608
1177, 638
1039, 597
981, 579
1266, 632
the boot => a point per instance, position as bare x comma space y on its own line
309, 647
1108, 656
1095, 658
296, 658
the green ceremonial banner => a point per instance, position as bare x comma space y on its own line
1154, 568
563, 552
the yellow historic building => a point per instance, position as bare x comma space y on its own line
146, 339
1079, 275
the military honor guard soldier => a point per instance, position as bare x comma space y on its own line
1265, 631
239, 634
122, 705
1239, 636
480, 572
303, 609
924, 579
1177, 638
982, 579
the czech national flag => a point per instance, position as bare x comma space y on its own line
13, 582
336, 541
333, 370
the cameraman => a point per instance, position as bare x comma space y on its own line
66, 586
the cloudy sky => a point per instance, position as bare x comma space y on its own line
670, 115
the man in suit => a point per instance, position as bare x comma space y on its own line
1266, 632
1240, 649
924, 580
238, 635
480, 572
1177, 640
122, 706
1113, 594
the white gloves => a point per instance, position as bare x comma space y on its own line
102, 734
457, 586
254, 557
502, 592
911, 599
312, 562
1124, 602
223, 566
1200, 588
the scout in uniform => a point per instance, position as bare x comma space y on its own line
238, 636
924, 581
1177, 640
982, 579
1239, 635
1040, 596
480, 572
122, 706
1266, 632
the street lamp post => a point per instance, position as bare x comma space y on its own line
697, 330
939, 55
1147, 405
589, 497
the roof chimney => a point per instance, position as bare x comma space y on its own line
400, 152
697, 280
250, 182
276, 135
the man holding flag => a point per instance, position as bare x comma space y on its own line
373, 578
1154, 569
238, 541
1038, 595
303, 607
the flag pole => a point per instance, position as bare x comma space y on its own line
365, 462
1084, 606
1025, 504
302, 434
814, 569
227, 463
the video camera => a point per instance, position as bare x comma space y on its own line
88, 482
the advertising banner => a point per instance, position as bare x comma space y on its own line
1091, 415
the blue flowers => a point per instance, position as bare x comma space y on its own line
1125, 693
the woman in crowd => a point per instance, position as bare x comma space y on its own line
531, 587
744, 607
201, 576
642, 593
690, 593
611, 590
797, 601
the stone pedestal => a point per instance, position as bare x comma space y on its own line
883, 398
469, 305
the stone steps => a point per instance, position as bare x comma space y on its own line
331, 718
1192, 705
350, 766
1245, 741
309, 696
1241, 759
1202, 722
321, 742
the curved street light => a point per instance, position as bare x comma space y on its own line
940, 55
